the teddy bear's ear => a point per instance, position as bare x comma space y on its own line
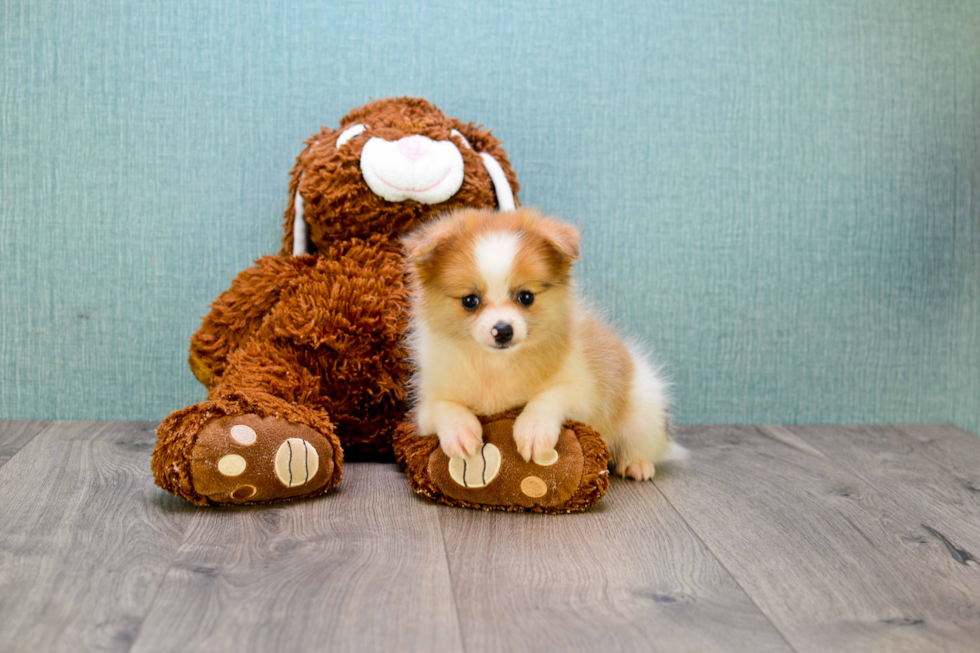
295, 239
494, 160
296, 231
301, 230
501, 187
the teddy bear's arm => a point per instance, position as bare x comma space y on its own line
238, 312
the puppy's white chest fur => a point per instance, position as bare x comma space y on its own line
485, 383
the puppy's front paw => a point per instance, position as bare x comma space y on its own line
461, 438
535, 436
638, 470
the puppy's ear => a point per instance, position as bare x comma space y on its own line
421, 244
563, 237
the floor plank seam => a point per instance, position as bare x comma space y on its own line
48, 424
725, 567
163, 579
452, 581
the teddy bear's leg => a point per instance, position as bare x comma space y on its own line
259, 437
571, 478
237, 314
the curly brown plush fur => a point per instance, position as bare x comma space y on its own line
316, 339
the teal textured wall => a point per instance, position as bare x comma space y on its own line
782, 198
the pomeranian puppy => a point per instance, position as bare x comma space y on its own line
497, 324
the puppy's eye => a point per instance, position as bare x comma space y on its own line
525, 297
471, 302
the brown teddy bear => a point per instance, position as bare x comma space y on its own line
303, 356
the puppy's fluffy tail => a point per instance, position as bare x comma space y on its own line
674, 453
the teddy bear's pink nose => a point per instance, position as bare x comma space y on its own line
414, 148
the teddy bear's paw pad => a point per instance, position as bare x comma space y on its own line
296, 462
497, 475
477, 470
251, 459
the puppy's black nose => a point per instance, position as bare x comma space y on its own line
502, 333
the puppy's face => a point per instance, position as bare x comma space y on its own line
499, 281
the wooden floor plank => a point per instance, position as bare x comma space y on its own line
836, 538
14, 434
836, 562
628, 575
951, 447
361, 569
85, 538
946, 507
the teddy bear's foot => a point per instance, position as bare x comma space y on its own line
252, 459
247, 448
572, 477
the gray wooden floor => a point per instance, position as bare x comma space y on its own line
769, 539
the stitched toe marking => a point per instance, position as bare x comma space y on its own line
296, 462
477, 470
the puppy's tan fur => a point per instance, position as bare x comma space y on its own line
562, 363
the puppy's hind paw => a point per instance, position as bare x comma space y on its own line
638, 470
